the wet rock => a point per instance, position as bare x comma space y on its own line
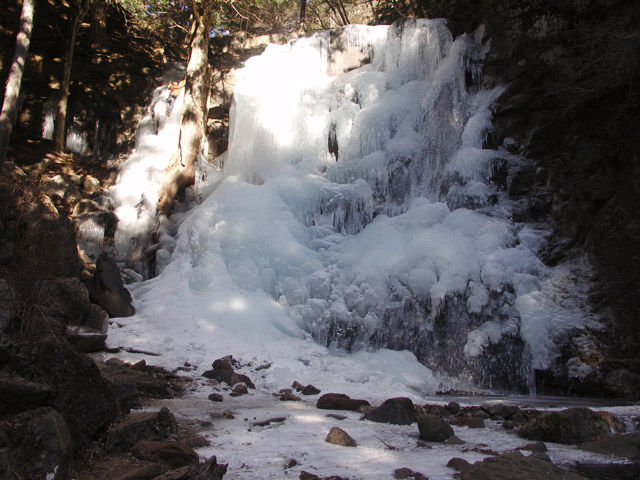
216, 397
459, 464
626, 445
175, 454
510, 466
223, 363
18, 394
310, 390
433, 429
453, 408
34, 443
571, 426
223, 372
399, 410
297, 386
150, 426
471, 422
107, 289
239, 389
401, 473
286, 395
337, 436
453, 440
218, 374
340, 401
535, 447
503, 411
239, 378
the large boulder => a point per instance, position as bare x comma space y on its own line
106, 288
77, 390
33, 444
398, 410
571, 426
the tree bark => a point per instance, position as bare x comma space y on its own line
182, 168
59, 129
303, 11
12, 91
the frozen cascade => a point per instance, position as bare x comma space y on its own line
359, 206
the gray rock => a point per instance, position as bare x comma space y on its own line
433, 429
337, 436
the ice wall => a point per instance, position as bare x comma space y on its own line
360, 201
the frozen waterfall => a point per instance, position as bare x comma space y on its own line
359, 207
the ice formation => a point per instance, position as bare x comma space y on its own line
358, 206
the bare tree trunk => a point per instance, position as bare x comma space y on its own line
59, 129
182, 168
12, 91
303, 11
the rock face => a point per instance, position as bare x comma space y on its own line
433, 429
107, 289
33, 444
340, 401
575, 425
398, 410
